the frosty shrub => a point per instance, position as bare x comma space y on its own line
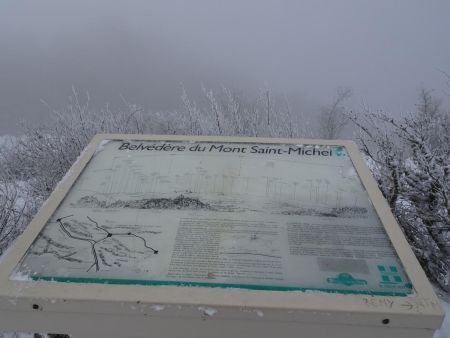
229, 113
44, 154
410, 159
14, 208
32, 166
14, 212
332, 118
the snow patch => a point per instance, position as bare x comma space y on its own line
370, 163
208, 311
157, 307
259, 313
21, 277
101, 146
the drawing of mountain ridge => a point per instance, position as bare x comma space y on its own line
179, 202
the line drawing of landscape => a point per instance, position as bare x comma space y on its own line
194, 203
179, 202
188, 182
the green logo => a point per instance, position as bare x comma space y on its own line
340, 151
390, 277
346, 279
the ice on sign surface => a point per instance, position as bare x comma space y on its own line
254, 216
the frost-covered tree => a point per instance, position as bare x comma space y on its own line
410, 158
332, 118
44, 154
229, 113
16, 209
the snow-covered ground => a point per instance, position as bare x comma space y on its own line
444, 332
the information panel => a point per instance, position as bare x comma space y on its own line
242, 215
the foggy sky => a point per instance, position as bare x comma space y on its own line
384, 50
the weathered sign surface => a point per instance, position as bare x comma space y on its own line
219, 214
